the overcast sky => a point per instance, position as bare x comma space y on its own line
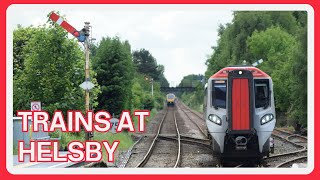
179, 37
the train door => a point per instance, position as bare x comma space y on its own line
240, 101
205, 99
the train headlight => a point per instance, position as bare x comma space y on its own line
267, 118
215, 119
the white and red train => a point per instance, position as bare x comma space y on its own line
239, 112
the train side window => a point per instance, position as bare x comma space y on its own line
219, 94
262, 93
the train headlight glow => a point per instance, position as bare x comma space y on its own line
267, 118
215, 119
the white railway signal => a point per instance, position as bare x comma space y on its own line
257, 62
87, 85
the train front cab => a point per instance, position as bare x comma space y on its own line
170, 100
240, 113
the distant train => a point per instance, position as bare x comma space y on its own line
239, 112
170, 99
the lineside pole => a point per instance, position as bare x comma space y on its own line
151, 87
87, 73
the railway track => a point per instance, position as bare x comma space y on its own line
157, 137
296, 138
287, 139
186, 111
189, 140
290, 162
166, 144
192, 111
288, 158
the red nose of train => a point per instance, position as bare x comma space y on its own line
240, 104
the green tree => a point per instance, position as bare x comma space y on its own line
191, 80
299, 95
114, 67
52, 71
232, 45
194, 99
277, 48
278, 37
21, 38
146, 64
162, 79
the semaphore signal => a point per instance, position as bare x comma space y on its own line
80, 35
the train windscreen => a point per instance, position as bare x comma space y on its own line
170, 96
219, 94
261, 89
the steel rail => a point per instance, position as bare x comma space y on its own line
177, 164
283, 132
188, 140
157, 136
192, 111
297, 136
302, 149
291, 161
289, 134
201, 130
288, 141
148, 154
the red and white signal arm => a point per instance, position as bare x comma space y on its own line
35, 106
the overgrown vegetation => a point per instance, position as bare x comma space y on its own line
194, 99
280, 39
48, 67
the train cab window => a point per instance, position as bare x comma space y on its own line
219, 94
262, 91
170, 96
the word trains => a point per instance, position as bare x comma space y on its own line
99, 121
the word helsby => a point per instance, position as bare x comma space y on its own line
89, 151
